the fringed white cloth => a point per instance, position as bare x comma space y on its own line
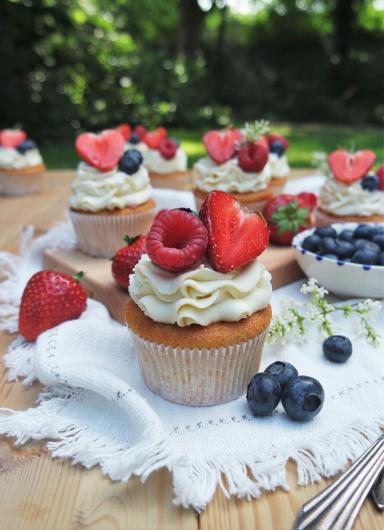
98, 411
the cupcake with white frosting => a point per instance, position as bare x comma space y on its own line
352, 190
278, 160
111, 194
21, 165
200, 302
237, 163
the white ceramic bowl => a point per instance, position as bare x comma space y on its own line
339, 277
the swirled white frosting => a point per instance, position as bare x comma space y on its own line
10, 158
199, 296
156, 163
279, 165
342, 199
230, 177
141, 147
93, 190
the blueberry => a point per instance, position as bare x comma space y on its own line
363, 232
380, 259
263, 394
370, 183
283, 371
25, 146
365, 244
326, 231
379, 240
311, 243
346, 235
330, 256
328, 246
302, 398
277, 147
345, 249
337, 348
130, 161
377, 229
365, 257
134, 139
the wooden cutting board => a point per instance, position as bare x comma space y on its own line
100, 285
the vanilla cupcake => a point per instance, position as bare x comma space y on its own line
278, 161
111, 194
21, 165
200, 302
237, 163
352, 192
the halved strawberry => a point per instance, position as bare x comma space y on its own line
153, 138
349, 167
125, 130
103, 150
235, 236
12, 137
222, 145
253, 156
380, 174
277, 137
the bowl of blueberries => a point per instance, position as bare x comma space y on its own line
346, 258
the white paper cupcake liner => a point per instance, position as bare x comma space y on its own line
16, 185
102, 235
199, 377
183, 182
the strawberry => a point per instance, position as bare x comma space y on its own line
277, 137
222, 145
125, 130
380, 174
253, 156
287, 215
349, 167
126, 258
50, 298
12, 137
235, 235
153, 139
168, 148
140, 130
103, 150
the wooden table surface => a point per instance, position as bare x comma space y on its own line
39, 493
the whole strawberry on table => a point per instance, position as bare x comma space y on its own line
287, 215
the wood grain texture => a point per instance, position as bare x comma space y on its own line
39, 493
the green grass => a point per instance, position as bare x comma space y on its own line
304, 141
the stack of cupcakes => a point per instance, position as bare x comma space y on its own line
21, 165
200, 302
111, 194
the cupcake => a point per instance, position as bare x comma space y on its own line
200, 302
278, 161
237, 163
133, 137
21, 165
352, 191
111, 194
166, 161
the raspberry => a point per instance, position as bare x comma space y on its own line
177, 240
168, 148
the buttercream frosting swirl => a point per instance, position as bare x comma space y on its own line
11, 158
141, 147
199, 296
230, 177
93, 190
156, 163
342, 199
279, 165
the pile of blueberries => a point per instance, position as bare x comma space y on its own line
364, 244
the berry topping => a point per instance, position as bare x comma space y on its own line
337, 348
235, 236
102, 151
283, 372
380, 174
153, 139
349, 167
126, 258
168, 148
25, 146
253, 157
370, 183
140, 130
134, 139
125, 130
222, 145
302, 398
130, 161
177, 240
277, 148
49, 299
272, 138
263, 394
12, 137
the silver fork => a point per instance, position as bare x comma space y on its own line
336, 507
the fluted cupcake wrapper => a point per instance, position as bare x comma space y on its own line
183, 181
102, 235
199, 377
16, 185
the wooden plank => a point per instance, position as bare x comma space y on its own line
38, 493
